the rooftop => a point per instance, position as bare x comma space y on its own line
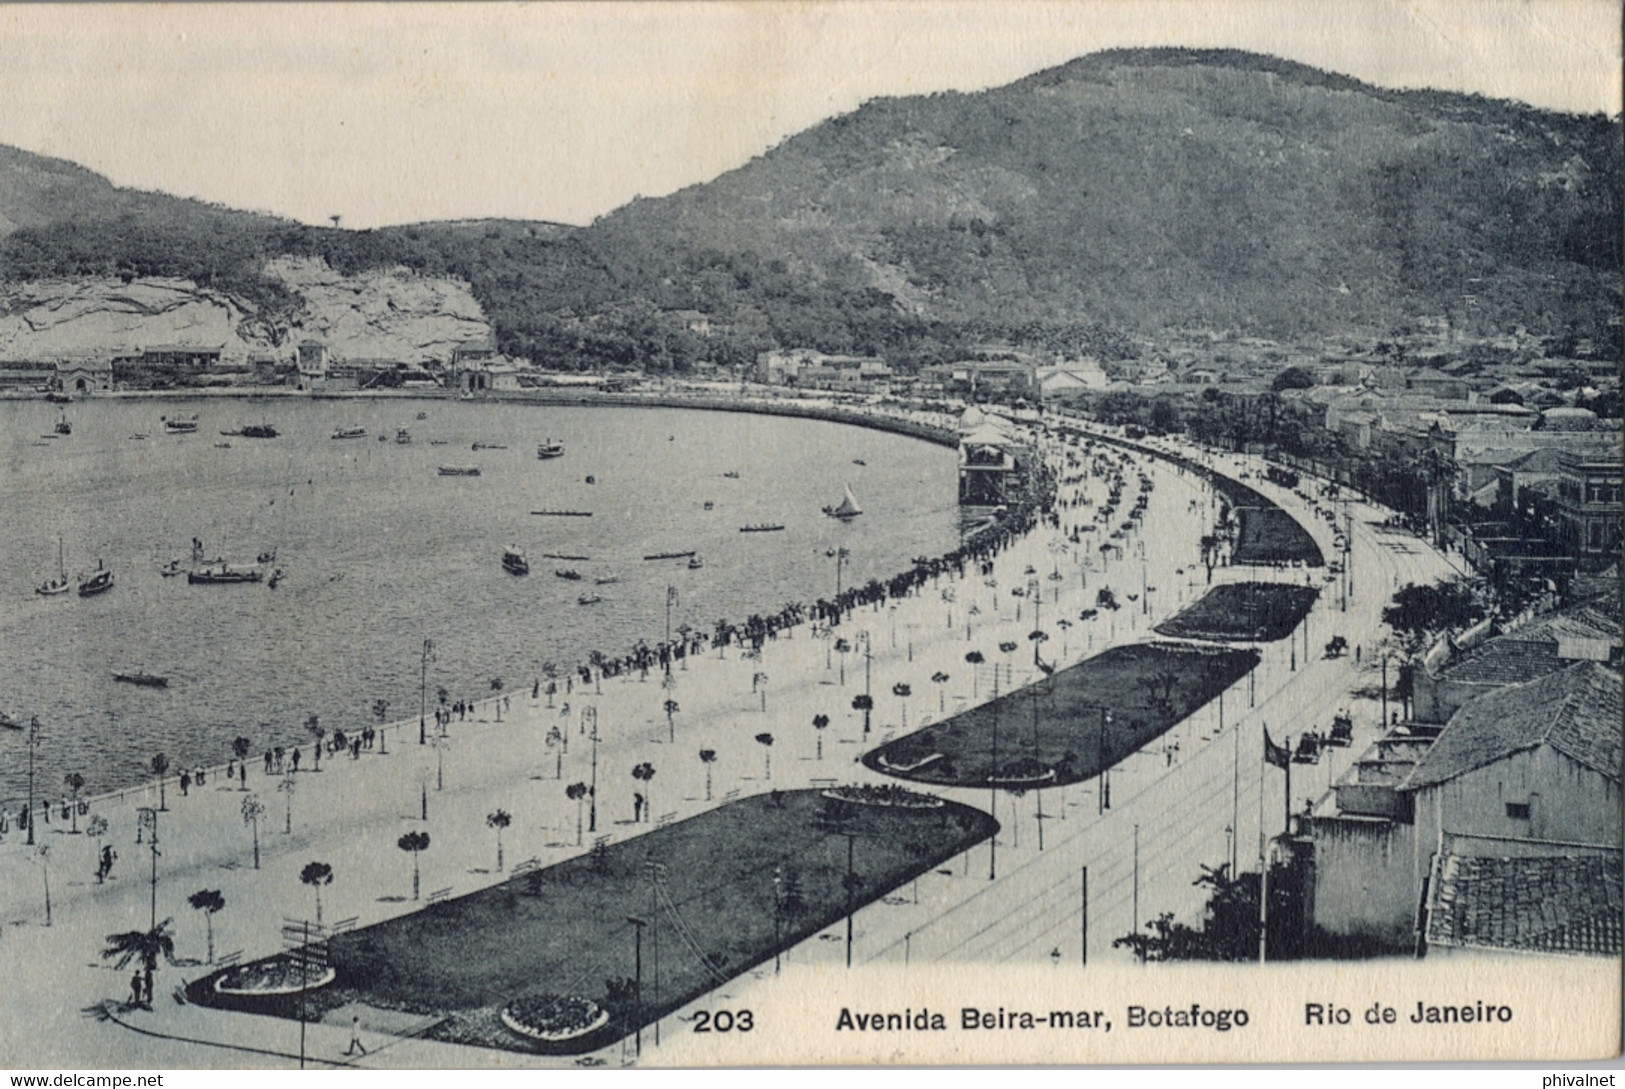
1575, 711
1562, 904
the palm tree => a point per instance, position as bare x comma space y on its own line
671, 709
76, 783
766, 741
498, 820
865, 703
160, 765
414, 843
286, 788
208, 901
240, 748
317, 874
577, 792
708, 757
644, 773
252, 812
143, 946
940, 678
975, 659
820, 724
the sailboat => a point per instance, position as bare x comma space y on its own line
847, 508
59, 585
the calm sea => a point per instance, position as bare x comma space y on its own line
381, 552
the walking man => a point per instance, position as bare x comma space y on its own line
135, 987
355, 1036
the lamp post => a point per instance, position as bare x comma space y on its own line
591, 714
33, 740
423, 691
1105, 796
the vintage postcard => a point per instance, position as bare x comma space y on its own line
711, 535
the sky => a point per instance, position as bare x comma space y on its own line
397, 113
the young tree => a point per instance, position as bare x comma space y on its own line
577, 793
317, 875
644, 773
160, 767
766, 741
498, 820
866, 704
253, 810
940, 679
240, 748
286, 787
42, 858
975, 659
75, 783
208, 901
414, 844
820, 724
671, 709
708, 757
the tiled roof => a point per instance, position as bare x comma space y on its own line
1559, 904
1502, 662
1575, 710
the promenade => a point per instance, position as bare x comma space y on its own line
1173, 810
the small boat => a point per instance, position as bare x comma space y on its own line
709, 505
564, 556
9, 723
275, 580
549, 448
222, 446
435, 442
423, 415
487, 446
847, 508
859, 461
171, 569
179, 426
223, 573
350, 433
459, 470
63, 427
513, 561
59, 585
57, 397
591, 480
588, 599
383, 438
670, 555
695, 563
761, 527
563, 513
732, 474
266, 557
100, 581
403, 436
606, 580
139, 436
567, 573
145, 680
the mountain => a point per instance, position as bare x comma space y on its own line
1083, 208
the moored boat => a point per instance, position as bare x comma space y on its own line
695, 563
63, 427
58, 585
9, 723
223, 573
57, 397
568, 573
588, 599
549, 448
459, 470
761, 527
179, 426
350, 433
487, 446
514, 562
171, 569
100, 581
145, 680
670, 555
403, 436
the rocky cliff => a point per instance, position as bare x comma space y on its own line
377, 314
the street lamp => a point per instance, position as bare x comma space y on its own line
591, 714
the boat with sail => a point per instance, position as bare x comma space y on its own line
403, 436
100, 581
847, 508
514, 562
58, 585
549, 448
350, 433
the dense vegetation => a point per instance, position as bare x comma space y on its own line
1115, 196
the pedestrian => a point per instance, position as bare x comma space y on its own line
270, 757
231, 769
637, 808
355, 749
355, 1036
197, 776
135, 988
295, 759
186, 782
536, 689
146, 987
242, 772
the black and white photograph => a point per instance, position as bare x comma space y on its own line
639, 535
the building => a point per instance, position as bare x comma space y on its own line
1525, 770
24, 374
84, 374
1482, 902
314, 363
1589, 507
181, 356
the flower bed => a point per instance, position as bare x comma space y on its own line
278, 975
885, 795
1243, 612
554, 1017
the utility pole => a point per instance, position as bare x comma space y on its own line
592, 790
33, 740
656, 873
1083, 934
671, 598
149, 817
423, 690
851, 889
637, 979
1137, 888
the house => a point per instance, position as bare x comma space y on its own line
1552, 904
181, 356
313, 360
1589, 507
1524, 770
84, 374
27, 374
